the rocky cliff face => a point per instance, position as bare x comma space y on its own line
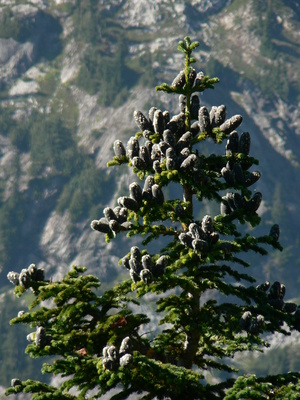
41, 56
71, 75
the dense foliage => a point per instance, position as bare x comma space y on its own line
207, 306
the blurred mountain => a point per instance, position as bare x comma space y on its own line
71, 75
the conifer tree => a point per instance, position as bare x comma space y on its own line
208, 304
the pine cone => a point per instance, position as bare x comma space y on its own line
15, 382
200, 245
13, 277
195, 106
158, 122
151, 115
109, 214
203, 119
231, 124
232, 145
24, 278
169, 138
182, 103
147, 262
160, 265
126, 346
141, 120
119, 149
126, 360
245, 320
146, 276
253, 204
157, 194
245, 143
251, 178
220, 115
199, 78
179, 81
100, 225
145, 156
207, 224
275, 232
135, 192
133, 147
129, 203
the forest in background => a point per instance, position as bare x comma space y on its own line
46, 168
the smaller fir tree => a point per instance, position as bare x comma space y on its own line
209, 309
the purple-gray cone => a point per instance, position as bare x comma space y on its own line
199, 78
149, 182
203, 119
190, 162
212, 113
186, 239
177, 123
100, 225
224, 206
251, 178
157, 194
121, 214
195, 106
40, 337
125, 262
232, 145
135, 192
182, 103
238, 173
200, 245
196, 231
129, 203
146, 276
169, 137
24, 278
13, 277
179, 81
134, 276
275, 232
109, 214
220, 115
141, 120
170, 164
158, 122
166, 116
135, 253
15, 382
133, 147
228, 176
253, 204
119, 149
207, 224
126, 360
156, 166
126, 346
138, 163
231, 124
145, 155
245, 143
160, 265
147, 262
245, 320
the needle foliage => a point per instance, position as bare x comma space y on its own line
207, 302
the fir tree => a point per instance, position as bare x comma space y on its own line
209, 308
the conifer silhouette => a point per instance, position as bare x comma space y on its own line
208, 304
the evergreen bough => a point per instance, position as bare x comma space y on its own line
210, 309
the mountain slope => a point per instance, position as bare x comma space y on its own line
71, 75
